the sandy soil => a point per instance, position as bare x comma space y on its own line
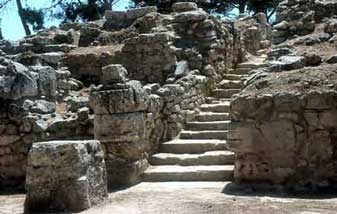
193, 198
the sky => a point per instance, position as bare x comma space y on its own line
11, 25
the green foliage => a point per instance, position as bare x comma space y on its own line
80, 10
165, 6
34, 17
222, 7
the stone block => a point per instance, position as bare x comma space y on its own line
140, 12
65, 176
120, 127
122, 173
184, 6
113, 74
190, 16
133, 98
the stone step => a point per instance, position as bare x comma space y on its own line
250, 65
235, 77
211, 116
178, 146
224, 93
188, 173
207, 158
214, 125
230, 84
222, 107
221, 135
241, 71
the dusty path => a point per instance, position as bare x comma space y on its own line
190, 198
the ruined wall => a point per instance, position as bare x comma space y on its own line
255, 33
284, 129
174, 71
299, 18
30, 113
172, 62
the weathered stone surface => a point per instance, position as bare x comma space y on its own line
332, 60
120, 127
172, 60
254, 32
184, 6
283, 129
86, 64
113, 74
300, 18
124, 173
191, 16
65, 176
291, 62
46, 81
136, 13
39, 106
132, 98
16, 82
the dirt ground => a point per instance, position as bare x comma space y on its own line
193, 198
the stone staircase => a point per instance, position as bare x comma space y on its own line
200, 153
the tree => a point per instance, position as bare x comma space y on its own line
23, 17
75, 10
264, 6
223, 7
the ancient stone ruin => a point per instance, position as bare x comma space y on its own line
185, 96
284, 121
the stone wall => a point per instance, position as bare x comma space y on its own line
172, 61
30, 113
255, 32
170, 74
284, 129
299, 18
65, 176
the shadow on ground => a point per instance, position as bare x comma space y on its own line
262, 190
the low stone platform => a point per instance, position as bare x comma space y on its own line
65, 176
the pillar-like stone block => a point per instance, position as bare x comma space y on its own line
120, 108
65, 176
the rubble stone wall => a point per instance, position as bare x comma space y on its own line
172, 61
284, 130
299, 18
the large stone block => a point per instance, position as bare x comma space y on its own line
120, 127
132, 98
136, 13
65, 176
121, 172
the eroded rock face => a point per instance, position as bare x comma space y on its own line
120, 124
255, 33
65, 176
16, 81
301, 17
283, 130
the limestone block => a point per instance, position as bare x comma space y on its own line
191, 16
121, 172
140, 12
65, 176
17, 82
131, 99
115, 19
120, 127
113, 74
184, 6
46, 80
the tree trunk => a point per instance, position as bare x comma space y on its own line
107, 4
242, 6
22, 17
